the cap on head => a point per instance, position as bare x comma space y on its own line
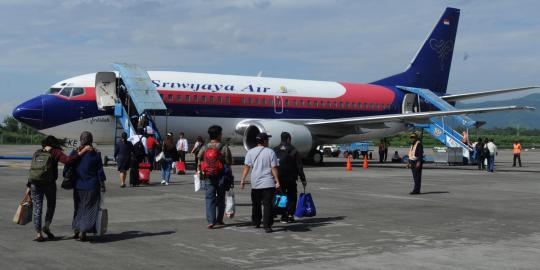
413, 136
261, 137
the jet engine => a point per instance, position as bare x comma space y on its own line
301, 136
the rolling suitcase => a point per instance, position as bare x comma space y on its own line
144, 173
180, 167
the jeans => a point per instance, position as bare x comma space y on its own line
37, 192
263, 197
166, 166
491, 163
215, 199
518, 157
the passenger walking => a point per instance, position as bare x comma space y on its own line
41, 181
196, 148
262, 162
381, 151
151, 144
213, 160
90, 180
137, 156
122, 155
517, 153
416, 154
290, 167
492, 153
182, 147
479, 149
169, 152
485, 154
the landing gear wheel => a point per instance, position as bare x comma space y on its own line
317, 158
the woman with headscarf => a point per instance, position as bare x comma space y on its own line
40, 189
169, 151
86, 194
122, 154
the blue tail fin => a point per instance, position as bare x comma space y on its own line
430, 67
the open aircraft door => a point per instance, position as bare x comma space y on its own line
410, 103
105, 90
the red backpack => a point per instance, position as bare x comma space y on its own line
212, 164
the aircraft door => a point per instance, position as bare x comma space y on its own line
410, 104
105, 90
278, 104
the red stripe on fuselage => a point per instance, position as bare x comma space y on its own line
364, 94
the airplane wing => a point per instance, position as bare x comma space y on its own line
412, 118
460, 97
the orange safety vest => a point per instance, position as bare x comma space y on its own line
517, 148
412, 151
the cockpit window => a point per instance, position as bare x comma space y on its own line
54, 90
66, 92
77, 91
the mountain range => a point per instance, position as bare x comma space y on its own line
523, 119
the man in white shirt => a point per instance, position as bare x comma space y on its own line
492, 152
262, 162
182, 147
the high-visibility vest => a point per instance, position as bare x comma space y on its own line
412, 151
517, 148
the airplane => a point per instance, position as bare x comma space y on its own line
314, 112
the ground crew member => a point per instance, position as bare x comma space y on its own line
416, 154
289, 169
517, 153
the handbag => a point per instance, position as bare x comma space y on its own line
69, 174
230, 204
306, 206
103, 217
197, 181
24, 212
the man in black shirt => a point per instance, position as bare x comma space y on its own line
416, 154
289, 169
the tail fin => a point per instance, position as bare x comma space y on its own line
430, 67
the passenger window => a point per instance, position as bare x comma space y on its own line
294, 103
249, 100
228, 100
301, 103
328, 104
256, 101
341, 104
353, 105
187, 98
270, 101
371, 106
170, 97
178, 98
219, 99
347, 105
195, 98
335, 104
203, 99
211, 99
66, 92
243, 100
315, 103
309, 103
77, 92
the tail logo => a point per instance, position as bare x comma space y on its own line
443, 48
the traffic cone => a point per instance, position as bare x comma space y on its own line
365, 162
349, 166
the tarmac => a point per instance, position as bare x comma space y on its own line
366, 219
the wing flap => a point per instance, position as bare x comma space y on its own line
460, 97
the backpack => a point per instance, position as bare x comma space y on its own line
212, 164
41, 167
138, 150
286, 161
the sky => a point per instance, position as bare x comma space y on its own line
42, 42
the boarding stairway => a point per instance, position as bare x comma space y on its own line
437, 127
144, 97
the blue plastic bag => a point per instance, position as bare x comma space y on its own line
280, 201
306, 206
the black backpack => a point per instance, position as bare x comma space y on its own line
286, 161
138, 150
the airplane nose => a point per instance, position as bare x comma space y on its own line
30, 112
